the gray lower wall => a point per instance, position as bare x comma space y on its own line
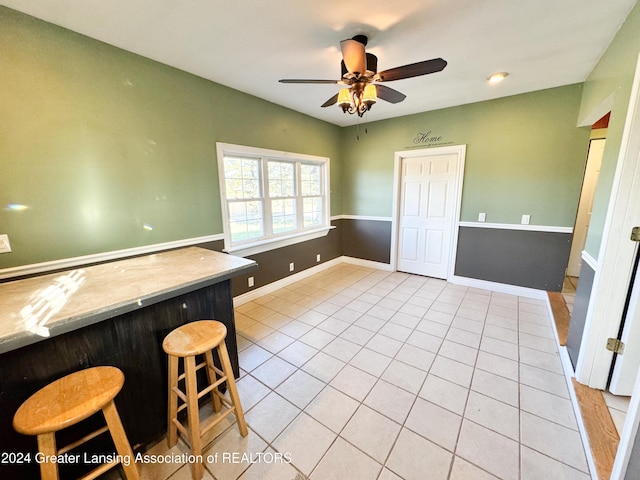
273, 265
579, 314
366, 239
515, 257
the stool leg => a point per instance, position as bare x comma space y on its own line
231, 385
193, 414
120, 440
47, 446
172, 430
211, 375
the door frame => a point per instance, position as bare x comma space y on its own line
460, 151
615, 256
612, 276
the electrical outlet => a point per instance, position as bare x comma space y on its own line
526, 219
5, 246
291, 267
482, 217
317, 257
250, 281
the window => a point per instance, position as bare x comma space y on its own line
271, 198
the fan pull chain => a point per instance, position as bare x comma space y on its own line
366, 129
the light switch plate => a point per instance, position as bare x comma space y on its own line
5, 246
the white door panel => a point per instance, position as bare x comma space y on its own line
410, 244
437, 203
433, 252
411, 207
427, 213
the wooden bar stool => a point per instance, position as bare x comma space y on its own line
187, 341
68, 401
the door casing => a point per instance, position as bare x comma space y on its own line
460, 151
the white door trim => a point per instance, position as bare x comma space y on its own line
459, 150
616, 254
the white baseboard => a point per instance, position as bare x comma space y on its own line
272, 287
569, 373
589, 260
468, 282
499, 287
367, 263
567, 367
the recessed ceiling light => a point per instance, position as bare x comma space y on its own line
497, 77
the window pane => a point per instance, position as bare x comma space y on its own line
281, 179
312, 212
283, 215
245, 220
311, 180
242, 177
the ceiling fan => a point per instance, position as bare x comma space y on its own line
361, 80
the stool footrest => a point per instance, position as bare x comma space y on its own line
198, 367
84, 439
201, 394
96, 472
212, 422
207, 424
182, 429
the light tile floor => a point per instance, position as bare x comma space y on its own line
362, 374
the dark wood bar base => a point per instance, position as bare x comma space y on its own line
133, 343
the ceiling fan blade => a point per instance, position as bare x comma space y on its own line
355, 58
412, 70
389, 94
331, 101
300, 80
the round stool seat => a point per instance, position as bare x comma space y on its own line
68, 400
194, 338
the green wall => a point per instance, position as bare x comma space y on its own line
525, 155
99, 142
612, 76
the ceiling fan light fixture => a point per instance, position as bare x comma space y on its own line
370, 95
497, 77
344, 98
361, 81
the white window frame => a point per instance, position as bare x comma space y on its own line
271, 241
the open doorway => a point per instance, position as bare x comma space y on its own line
595, 153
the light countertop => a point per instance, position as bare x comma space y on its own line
36, 308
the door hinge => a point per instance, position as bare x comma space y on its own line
616, 346
635, 234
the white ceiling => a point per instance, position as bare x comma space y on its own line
250, 44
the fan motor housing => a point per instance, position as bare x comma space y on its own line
372, 66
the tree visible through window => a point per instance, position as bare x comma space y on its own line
267, 195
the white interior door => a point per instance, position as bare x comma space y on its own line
428, 211
585, 206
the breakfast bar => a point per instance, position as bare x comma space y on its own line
115, 313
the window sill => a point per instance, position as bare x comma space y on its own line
247, 249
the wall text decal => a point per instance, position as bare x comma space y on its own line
427, 138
